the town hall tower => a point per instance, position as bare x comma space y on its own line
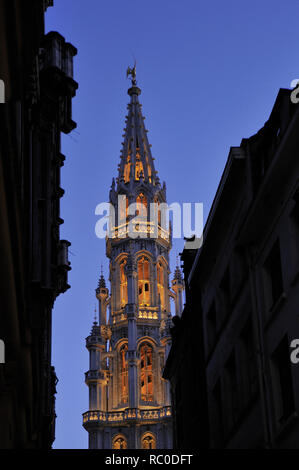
129, 401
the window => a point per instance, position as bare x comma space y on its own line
119, 442
123, 284
160, 284
138, 167
123, 209
149, 170
141, 202
157, 211
283, 383
273, 276
144, 282
146, 372
148, 441
127, 169
124, 374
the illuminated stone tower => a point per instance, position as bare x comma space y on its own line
129, 401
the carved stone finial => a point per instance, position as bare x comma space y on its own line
101, 283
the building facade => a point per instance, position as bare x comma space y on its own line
242, 297
129, 401
37, 72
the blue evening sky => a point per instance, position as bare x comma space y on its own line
209, 74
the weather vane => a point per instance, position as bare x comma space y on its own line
132, 72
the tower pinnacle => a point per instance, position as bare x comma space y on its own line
137, 164
102, 282
178, 288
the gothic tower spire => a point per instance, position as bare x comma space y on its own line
135, 411
137, 163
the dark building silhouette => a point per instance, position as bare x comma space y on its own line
37, 71
233, 383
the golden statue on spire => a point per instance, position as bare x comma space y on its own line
132, 72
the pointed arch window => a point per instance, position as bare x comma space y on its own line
127, 169
143, 282
157, 211
123, 284
119, 442
146, 372
148, 441
161, 284
141, 202
123, 209
138, 167
124, 392
149, 169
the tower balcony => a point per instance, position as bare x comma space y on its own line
144, 313
119, 316
143, 229
127, 415
148, 313
94, 375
